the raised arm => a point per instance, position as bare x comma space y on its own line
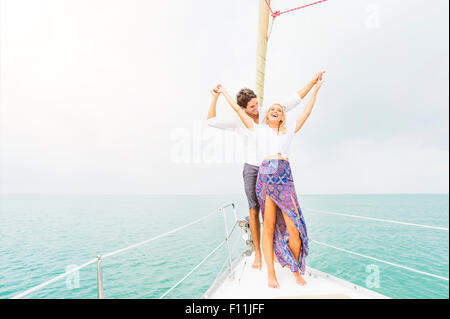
308, 108
213, 120
305, 90
212, 107
248, 122
296, 98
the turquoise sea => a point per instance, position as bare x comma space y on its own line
42, 236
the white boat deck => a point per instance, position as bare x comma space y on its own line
244, 282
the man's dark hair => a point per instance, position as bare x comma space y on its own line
244, 96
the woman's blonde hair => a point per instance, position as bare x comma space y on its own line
282, 125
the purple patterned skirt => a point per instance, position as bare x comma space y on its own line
275, 179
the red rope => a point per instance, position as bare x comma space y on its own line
278, 13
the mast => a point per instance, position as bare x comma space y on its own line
261, 48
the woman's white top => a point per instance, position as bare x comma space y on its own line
248, 138
268, 142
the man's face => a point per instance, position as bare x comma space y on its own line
252, 107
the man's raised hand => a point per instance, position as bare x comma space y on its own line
215, 92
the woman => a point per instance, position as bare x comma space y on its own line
284, 229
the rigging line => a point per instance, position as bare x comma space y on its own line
27, 292
189, 273
226, 260
157, 237
111, 254
278, 13
274, 15
376, 219
383, 261
270, 9
219, 273
306, 5
270, 28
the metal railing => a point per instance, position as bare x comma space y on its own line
240, 223
98, 259
243, 225
380, 260
384, 221
377, 219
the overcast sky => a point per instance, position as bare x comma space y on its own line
111, 96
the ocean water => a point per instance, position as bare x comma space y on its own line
42, 236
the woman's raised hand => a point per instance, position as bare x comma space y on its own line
318, 76
319, 83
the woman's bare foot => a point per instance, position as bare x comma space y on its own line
299, 279
257, 262
272, 282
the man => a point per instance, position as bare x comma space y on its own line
248, 101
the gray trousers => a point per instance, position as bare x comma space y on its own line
250, 174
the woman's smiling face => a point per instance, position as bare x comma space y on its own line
275, 113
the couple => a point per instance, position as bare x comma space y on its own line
268, 181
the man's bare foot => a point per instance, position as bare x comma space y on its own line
272, 282
299, 279
257, 262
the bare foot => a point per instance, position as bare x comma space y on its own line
299, 279
272, 282
257, 262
